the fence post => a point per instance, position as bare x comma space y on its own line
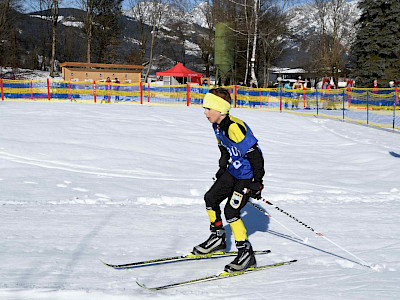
94, 91
394, 107
304, 97
343, 103
31, 90
260, 97
316, 96
2, 90
141, 92
280, 98
367, 107
187, 94
48, 88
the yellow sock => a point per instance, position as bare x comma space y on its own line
238, 230
212, 215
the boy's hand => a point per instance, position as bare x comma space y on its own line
255, 190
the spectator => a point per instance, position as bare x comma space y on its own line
298, 87
106, 97
205, 85
287, 93
116, 89
375, 89
331, 99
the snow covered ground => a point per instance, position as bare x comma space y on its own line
123, 183
27, 74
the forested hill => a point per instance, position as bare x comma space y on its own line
180, 38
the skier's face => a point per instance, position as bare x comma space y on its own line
213, 116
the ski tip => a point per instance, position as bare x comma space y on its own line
394, 154
145, 287
104, 263
109, 265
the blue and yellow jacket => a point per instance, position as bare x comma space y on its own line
240, 153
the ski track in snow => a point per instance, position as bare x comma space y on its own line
140, 174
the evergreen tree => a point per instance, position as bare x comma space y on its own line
376, 50
106, 33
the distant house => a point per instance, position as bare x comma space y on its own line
288, 74
77, 71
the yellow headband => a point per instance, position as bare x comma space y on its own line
214, 102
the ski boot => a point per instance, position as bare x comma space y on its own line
216, 241
245, 258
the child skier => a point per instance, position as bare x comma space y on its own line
240, 176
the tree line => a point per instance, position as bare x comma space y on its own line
263, 32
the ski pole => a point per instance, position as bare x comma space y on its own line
269, 216
365, 264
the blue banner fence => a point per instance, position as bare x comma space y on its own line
375, 107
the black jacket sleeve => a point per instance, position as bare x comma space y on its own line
257, 163
224, 159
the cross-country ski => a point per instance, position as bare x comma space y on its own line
217, 276
173, 259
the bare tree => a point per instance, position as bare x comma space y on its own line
256, 9
139, 12
49, 10
205, 37
332, 36
91, 8
8, 47
272, 35
157, 12
54, 19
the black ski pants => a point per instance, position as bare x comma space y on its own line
223, 188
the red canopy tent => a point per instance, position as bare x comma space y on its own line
181, 71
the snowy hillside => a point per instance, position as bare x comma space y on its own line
145, 11
124, 183
304, 19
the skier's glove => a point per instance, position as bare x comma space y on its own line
255, 190
219, 173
